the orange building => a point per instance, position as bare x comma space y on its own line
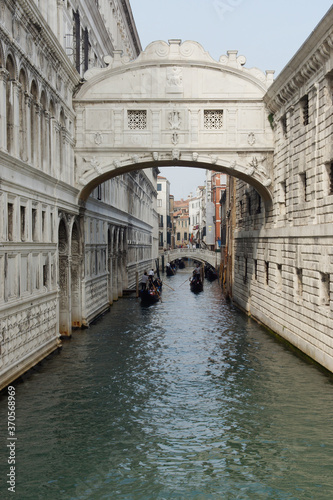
218, 186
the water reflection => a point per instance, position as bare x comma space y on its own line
184, 399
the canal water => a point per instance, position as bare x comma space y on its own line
185, 399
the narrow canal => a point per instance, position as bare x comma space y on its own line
185, 399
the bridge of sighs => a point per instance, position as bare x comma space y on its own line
174, 105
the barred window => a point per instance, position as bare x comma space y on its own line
137, 120
305, 109
213, 119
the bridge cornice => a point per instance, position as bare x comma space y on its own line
160, 54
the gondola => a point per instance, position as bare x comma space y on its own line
210, 273
149, 296
152, 293
170, 270
181, 264
196, 284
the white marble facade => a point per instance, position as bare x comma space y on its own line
61, 262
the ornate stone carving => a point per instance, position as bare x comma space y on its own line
195, 156
175, 154
174, 120
257, 167
251, 139
94, 163
155, 155
98, 138
174, 76
174, 138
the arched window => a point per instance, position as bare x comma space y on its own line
10, 67
34, 124
52, 133
44, 131
62, 149
23, 115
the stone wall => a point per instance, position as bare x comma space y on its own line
283, 264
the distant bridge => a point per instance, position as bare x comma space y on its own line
200, 254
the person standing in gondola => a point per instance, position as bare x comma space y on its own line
144, 281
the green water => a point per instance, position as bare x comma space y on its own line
185, 399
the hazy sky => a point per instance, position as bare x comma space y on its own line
266, 32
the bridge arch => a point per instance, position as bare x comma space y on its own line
174, 106
201, 254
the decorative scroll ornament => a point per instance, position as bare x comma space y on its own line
135, 158
233, 164
116, 163
174, 120
98, 138
251, 139
174, 138
213, 159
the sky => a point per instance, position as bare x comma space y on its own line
267, 32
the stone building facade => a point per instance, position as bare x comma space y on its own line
282, 266
61, 262
164, 212
79, 162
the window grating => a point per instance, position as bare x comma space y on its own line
213, 119
137, 119
305, 109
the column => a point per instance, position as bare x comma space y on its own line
4, 75
28, 104
16, 118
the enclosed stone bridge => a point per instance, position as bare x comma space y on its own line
174, 106
200, 254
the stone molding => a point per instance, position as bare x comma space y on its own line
307, 62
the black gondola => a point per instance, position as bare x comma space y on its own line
196, 284
210, 273
152, 292
170, 270
181, 264
149, 296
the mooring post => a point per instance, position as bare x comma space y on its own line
202, 274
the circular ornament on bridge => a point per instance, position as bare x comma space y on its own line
162, 50
186, 49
